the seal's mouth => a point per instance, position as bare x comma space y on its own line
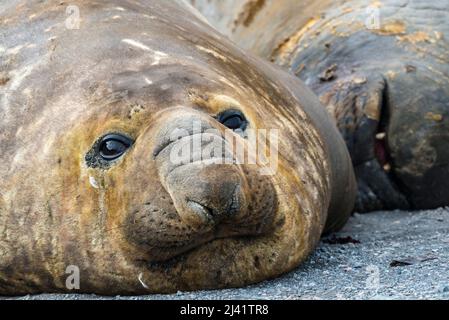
381, 152
180, 257
378, 188
180, 238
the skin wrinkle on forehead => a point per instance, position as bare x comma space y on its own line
157, 56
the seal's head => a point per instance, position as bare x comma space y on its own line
129, 141
180, 182
383, 75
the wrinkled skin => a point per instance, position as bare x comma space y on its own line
143, 223
386, 86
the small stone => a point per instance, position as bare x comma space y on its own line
438, 35
409, 68
3, 80
391, 74
359, 81
329, 73
434, 116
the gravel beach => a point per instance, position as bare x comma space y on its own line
382, 255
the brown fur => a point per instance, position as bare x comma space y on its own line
136, 67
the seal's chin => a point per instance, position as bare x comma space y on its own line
177, 241
168, 255
200, 203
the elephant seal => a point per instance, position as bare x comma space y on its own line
97, 102
382, 70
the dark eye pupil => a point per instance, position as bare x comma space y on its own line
233, 119
113, 146
233, 122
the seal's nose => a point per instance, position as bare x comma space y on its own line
206, 194
198, 169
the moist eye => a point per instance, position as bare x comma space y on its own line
233, 119
113, 146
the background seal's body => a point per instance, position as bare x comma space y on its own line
382, 70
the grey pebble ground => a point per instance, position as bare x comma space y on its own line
416, 244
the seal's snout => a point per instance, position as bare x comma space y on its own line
197, 169
206, 195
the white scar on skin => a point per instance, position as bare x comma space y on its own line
17, 77
148, 81
15, 50
226, 81
17, 160
137, 44
49, 142
119, 9
157, 55
141, 281
93, 182
214, 53
51, 28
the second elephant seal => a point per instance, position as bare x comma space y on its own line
382, 70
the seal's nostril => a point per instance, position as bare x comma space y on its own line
235, 201
206, 195
203, 212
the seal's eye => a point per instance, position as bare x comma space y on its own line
113, 146
233, 119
